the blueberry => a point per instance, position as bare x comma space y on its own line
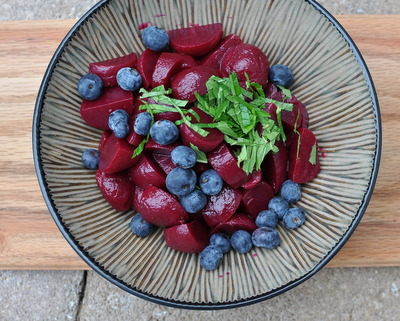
91, 158
121, 129
183, 156
241, 241
142, 123
140, 227
164, 132
266, 237
294, 218
90, 87
181, 181
291, 191
222, 241
116, 116
155, 38
267, 218
194, 202
211, 257
210, 182
281, 75
279, 205
129, 79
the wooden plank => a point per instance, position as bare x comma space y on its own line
29, 239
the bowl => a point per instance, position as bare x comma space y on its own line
332, 80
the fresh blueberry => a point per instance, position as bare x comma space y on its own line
129, 79
181, 181
211, 257
279, 205
294, 218
90, 87
155, 38
267, 218
281, 75
140, 227
91, 158
117, 115
183, 156
210, 182
266, 237
291, 191
222, 241
194, 201
164, 132
142, 123
241, 241
121, 129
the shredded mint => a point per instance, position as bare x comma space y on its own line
201, 157
313, 155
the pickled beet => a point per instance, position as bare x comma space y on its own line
147, 172
256, 199
274, 167
238, 221
145, 66
168, 64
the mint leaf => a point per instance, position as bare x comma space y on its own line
201, 156
313, 155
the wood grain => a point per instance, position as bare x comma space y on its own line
29, 238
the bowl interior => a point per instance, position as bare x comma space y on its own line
330, 80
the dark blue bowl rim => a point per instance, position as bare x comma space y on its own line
179, 304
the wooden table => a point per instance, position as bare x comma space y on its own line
29, 239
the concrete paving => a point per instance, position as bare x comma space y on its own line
366, 294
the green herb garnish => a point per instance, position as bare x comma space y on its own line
201, 157
313, 155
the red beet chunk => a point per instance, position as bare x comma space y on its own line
168, 64
238, 221
303, 157
274, 167
153, 147
201, 167
107, 70
196, 41
256, 177
224, 162
96, 112
246, 58
213, 59
145, 66
222, 206
256, 199
136, 201
133, 138
106, 135
205, 144
190, 237
271, 91
188, 62
191, 80
165, 162
161, 208
147, 172
117, 189
116, 155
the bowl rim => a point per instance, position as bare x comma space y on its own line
186, 305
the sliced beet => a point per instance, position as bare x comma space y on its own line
225, 164
133, 138
191, 80
256, 199
222, 206
190, 237
238, 221
116, 155
136, 201
188, 62
117, 189
107, 70
271, 91
213, 59
165, 162
205, 144
106, 135
160, 208
153, 147
168, 64
303, 157
96, 112
196, 41
274, 167
147, 172
145, 66
256, 177
201, 167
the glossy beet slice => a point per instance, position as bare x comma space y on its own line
196, 41
191, 80
153, 147
116, 155
147, 172
106, 135
204, 143
168, 64
303, 157
238, 221
190, 237
224, 162
117, 189
213, 59
222, 206
96, 112
274, 167
256, 199
136, 200
188, 62
161, 208
165, 162
107, 70
256, 177
145, 66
